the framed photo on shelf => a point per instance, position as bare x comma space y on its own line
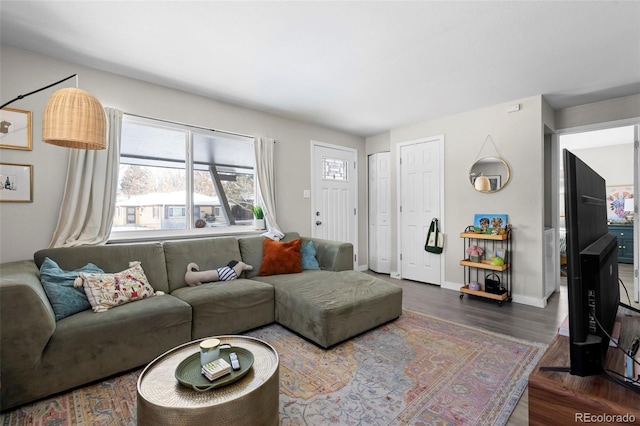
486, 223
16, 183
15, 129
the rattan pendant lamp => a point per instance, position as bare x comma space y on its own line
72, 118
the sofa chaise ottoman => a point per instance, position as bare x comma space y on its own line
326, 306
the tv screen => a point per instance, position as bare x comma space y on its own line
592, 267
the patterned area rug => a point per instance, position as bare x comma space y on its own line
415, 370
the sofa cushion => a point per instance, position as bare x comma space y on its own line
106, 291
112, 258
207, 253
280, 257
65, 299
87, 347
309, 261
228, 307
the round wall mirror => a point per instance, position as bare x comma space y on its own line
489, 174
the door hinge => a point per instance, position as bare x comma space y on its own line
636, 273
355, 257
354, 211
354, 164
400, 209
400, 256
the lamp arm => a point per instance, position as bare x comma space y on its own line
36, 91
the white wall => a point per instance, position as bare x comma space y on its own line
613, 163
27, 227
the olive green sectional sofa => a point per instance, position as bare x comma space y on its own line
40, 356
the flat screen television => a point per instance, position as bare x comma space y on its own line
592, 267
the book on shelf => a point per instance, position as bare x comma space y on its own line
216, 369
563, 330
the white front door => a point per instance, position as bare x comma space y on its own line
420, 201
334, 199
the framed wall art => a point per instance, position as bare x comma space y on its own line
15, 129
616, 197
16, 183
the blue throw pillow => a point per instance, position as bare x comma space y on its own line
309, 260
58, 284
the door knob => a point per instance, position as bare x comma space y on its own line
318, 222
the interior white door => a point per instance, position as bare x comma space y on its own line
334, 200
379, 212
420, 177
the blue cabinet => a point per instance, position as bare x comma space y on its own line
625, 242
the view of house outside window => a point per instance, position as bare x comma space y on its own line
179, 179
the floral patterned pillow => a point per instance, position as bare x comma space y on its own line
105, 291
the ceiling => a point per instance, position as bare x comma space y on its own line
363, 67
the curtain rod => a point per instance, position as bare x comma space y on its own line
190, 125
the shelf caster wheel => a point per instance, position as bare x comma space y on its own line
461, 295
500, 303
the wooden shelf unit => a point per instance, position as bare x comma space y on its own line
485, 265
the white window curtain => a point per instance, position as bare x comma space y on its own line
89, 200
265, 171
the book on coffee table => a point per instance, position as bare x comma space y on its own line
216, 369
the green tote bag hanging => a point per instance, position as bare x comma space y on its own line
435, 240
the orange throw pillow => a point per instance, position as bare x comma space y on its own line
280, 258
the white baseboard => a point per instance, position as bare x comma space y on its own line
451, 286
363, 268
531, 301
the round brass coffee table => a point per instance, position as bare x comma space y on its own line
252, 400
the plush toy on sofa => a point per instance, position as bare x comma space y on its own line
195, 276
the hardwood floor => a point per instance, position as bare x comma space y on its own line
513, 319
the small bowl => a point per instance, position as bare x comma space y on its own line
474, 286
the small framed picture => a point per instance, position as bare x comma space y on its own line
15, 129
489, 223
495, 181
16, 183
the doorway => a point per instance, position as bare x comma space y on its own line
611, 150
420, 200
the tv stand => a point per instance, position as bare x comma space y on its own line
557, 397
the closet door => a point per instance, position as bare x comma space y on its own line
379, 212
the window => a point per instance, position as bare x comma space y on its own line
334, 169
178, 179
